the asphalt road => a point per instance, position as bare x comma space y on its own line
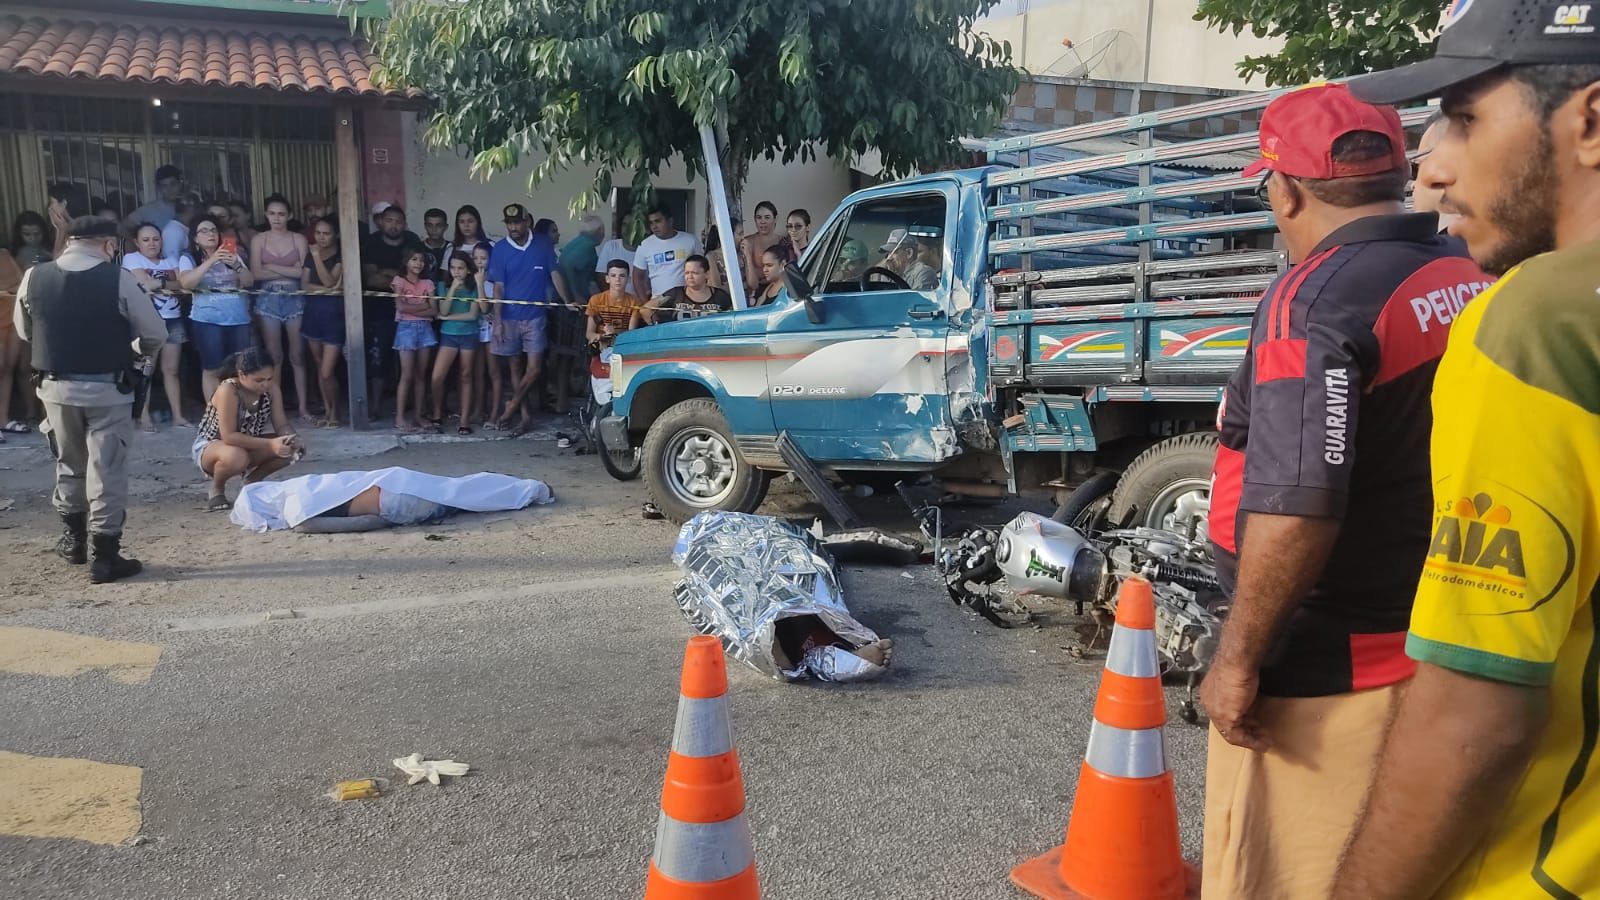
542, 647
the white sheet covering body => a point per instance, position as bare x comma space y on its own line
276, 505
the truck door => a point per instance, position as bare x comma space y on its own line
867, 383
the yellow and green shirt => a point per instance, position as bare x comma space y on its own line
1508, 590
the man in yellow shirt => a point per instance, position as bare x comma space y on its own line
1488, 786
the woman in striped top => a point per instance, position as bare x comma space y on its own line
243, 432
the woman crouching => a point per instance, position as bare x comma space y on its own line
243, 431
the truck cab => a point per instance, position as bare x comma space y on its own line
871, 369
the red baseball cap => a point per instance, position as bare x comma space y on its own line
1298, 130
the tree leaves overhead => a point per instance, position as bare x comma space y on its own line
625, 84
1325, 39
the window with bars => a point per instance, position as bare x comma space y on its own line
106, 150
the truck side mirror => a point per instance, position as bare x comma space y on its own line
795, 281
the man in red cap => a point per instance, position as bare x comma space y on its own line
1320, 500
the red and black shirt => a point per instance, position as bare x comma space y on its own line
1328, 416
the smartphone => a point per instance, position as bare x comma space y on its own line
231, 244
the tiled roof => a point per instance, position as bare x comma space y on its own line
186, 55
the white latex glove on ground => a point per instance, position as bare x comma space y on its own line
419, 768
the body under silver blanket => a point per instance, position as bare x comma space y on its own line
743, 574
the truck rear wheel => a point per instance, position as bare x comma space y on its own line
692, 464
1168, 486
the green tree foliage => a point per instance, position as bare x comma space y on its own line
1328, 38
624, 84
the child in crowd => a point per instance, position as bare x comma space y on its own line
459, 312
608, 314
413, 338
487, 372
243, 432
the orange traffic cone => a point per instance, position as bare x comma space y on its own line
703, 847
1122, 837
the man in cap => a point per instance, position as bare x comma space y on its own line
1320, 493
901, 257
522, 266
1488, 784
852, 261
82, 315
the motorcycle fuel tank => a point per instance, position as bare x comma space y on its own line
1044, 557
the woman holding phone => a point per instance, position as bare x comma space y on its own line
242, 432
158, 275
219, 320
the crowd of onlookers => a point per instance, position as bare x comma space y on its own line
453, 314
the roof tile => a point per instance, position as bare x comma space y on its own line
82, 49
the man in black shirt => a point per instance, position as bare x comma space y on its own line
382, 254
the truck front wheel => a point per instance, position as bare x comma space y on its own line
1168, 486
692, 463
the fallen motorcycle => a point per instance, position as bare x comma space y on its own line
995, 572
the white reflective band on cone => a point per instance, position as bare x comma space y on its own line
698, 853
1133, 653
703, 727
1127, 754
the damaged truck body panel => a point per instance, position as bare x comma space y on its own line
1074, 307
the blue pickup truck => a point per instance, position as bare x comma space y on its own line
1061, 320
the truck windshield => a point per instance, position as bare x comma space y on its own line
903, 235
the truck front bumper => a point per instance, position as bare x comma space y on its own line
614, 433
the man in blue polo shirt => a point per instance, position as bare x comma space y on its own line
522, 266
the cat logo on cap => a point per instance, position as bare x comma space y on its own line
1570, 18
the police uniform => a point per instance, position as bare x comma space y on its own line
81, 316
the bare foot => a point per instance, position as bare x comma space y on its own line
879, 652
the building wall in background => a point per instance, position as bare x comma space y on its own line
444, 180
1110, 42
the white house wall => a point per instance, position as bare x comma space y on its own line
444, 180
1183, 51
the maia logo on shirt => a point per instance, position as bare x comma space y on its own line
1481, 544
668, 257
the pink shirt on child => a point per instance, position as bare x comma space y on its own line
416, 295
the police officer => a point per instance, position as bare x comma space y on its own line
82, 315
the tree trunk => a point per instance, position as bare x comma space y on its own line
735, 168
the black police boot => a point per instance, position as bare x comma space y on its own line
73, 546
109, 563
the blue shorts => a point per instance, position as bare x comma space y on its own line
519, 336
215, 343
414, 334
279, 300
459, 341
324, 320
177, 331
